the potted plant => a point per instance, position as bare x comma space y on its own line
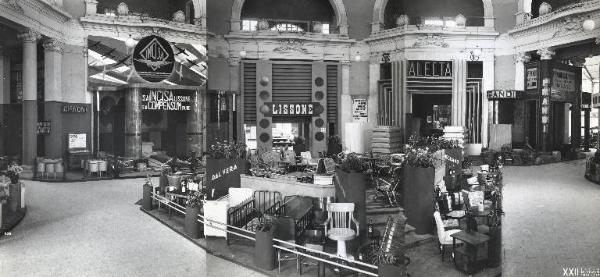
13, 172
334, 146
193, 207
350, 182
299, 145
223, 169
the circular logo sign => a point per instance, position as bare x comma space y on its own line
153, 59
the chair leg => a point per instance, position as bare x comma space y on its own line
279, 260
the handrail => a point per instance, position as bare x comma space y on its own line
226, 228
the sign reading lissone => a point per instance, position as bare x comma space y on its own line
290, 109
165, 100
429, 69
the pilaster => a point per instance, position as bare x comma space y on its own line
30, 114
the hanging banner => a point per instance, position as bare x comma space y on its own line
166, 100
153, 59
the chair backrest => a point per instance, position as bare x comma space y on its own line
439, 225
306, 155
340, 214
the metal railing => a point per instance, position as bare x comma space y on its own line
292, 246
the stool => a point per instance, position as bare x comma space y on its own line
102, 167
41, 168
93, 167
50, 169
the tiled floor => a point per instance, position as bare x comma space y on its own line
94, 229
552, 220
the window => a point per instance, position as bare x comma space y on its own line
325, 28
249, 25
287, 27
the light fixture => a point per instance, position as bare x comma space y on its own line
243, 54
475, 54
588, 25
130, 42
357, 57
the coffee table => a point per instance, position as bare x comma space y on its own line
473, 257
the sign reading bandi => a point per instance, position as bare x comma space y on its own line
429, 69
153, 59
504, 94
165, 100
290, 109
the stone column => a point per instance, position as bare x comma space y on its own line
520, 60
488, 84
546, 74
30, 115
345, 111
458, 92
53, 100
195, 122
234, 87
133, 123
4, 97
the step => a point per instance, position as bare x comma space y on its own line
386, 140
386, 145
413, 239
384, 210
387, 128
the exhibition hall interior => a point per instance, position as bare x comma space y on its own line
307, 137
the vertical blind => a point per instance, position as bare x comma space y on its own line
332, 93
474, 111
250, 93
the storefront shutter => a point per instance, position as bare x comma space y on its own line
292, 82
250, 93
332, 93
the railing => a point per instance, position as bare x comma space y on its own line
281, 25
291, 247
585, 6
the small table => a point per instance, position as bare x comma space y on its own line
472, 242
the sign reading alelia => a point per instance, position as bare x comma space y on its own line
165, 100
429, 69
290, 109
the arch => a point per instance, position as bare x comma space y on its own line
379, 11
338, 7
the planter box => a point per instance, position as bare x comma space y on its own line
473, 149
223, 174
264, 253
418, 198
192, 227
495, 247
351, 188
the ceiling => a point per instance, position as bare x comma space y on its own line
110, 64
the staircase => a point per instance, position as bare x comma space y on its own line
378, 210
386, 140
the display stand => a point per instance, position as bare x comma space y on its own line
77, 150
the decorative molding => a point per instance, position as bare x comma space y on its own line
291, 45
29, 36
14, 4
54, 45
430, 40
234, 61
523, 58
346, 63
546, 53
570, 24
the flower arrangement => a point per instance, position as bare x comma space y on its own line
195, 199
420, 152
353, 163
224, 150
13, 172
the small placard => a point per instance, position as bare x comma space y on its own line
43, 128
77, 141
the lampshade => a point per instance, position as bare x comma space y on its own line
588, 25
357, 58
130, 43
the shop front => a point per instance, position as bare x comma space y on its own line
508, 119
290, 103
552, 105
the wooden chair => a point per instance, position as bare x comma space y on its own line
338, 225
444, 238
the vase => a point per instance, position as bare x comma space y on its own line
317, 27
402, 20
263, 25
14, 178
122, 9
179, 16
460, 20
545, 8
419, 197
192, 226
350, 187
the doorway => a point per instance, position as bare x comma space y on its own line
532, 123
433, 111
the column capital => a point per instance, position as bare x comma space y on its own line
29, 36
53, 45
546, 53
345, 62
523, 57
234, 61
